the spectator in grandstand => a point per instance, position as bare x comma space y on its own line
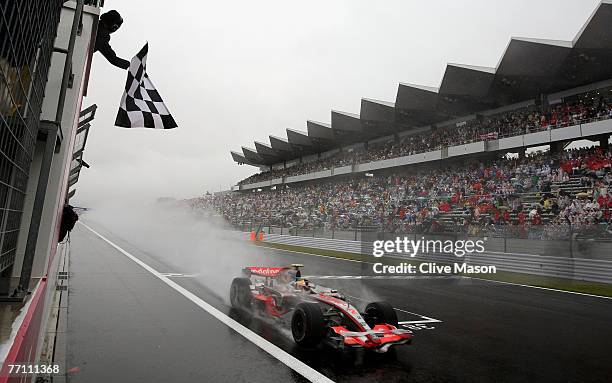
470, 198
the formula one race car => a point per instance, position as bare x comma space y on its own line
316, 314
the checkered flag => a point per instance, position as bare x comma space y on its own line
141, 106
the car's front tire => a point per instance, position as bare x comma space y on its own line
380, 313
307, 324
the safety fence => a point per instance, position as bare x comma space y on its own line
27, 33
588, 242
561, 267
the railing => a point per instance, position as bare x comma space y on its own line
595, 270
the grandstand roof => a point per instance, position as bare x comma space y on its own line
239, 158
252, 156
528, 68
321, 134
376, 110
280, 144
264, 150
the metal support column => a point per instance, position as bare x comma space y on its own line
37, 209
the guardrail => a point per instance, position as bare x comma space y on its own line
592, 242
560, 267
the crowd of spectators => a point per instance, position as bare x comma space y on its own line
483, 128
518, 192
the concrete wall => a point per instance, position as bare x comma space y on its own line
342, 170
565, 133
538, 138
511, 142
595, 128
474, 147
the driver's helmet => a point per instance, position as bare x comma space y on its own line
302, 284
287, 276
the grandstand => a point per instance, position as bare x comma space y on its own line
542, 189
542, 92
454, 159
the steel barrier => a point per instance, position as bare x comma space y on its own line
561, 267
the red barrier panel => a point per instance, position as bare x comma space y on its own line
23, 350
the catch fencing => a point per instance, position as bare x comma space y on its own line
589, 242
27, 33
594, 270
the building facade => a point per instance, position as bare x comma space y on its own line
45, 56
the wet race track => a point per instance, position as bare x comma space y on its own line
127, 323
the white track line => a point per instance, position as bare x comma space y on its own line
539, 287
287, 359
426, 318
461, 276
179, 275
419, 321
385, 277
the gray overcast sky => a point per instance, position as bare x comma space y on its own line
235, 72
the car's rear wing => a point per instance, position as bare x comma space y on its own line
270, 272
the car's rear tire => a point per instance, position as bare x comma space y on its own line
307, 324
240, 294
380, 313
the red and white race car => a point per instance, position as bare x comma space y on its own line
316, 314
